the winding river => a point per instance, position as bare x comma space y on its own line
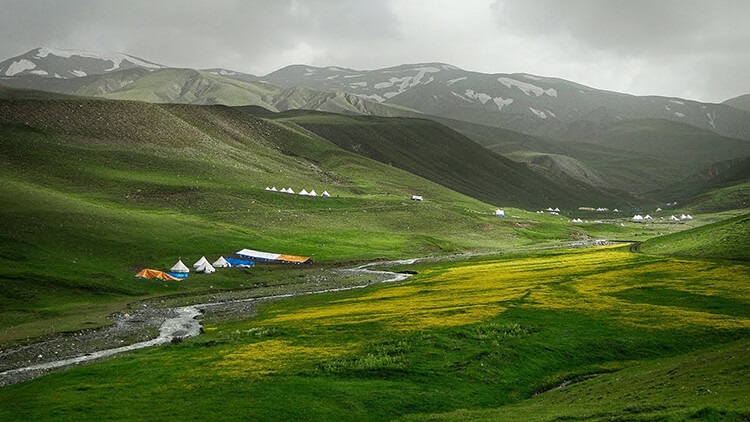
185, 324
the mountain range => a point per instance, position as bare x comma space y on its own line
566, 132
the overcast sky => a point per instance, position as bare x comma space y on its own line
684, 48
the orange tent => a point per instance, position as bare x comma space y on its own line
161, 275
294, 259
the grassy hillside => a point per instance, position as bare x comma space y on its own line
599, 334
647, 157
742, 102
95, 190
440, 154
729, 239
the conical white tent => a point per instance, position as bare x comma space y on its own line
179, 267
303, 192
673, 218
325, 193
688, 217
205, 268
637, 217
289, 190
221, 263
648, 217
274, 189
267, 188
283, 190
313, 193
200, 262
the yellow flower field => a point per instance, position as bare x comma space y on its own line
469, 293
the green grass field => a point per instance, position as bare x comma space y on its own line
631, 336
93, 190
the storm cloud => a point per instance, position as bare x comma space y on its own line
683, 48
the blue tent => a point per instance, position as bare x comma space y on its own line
242, 263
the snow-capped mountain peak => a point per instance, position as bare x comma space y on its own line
64, 64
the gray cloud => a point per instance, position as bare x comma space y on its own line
688, 48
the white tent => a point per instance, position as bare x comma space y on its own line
179, 267
683, 217
200, 262
325, 193
267, 188
221, 263
616, 210
313, 193
658, 209
688, 217
549, 209
303, 192
274, 189
289, 190
499, 213
556, 210
205, 268
673, 218
417, 198
637, 217
648, 217
283, 190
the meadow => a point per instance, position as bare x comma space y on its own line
592, 334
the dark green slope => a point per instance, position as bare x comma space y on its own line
438, 153
728, 239
646, 157
742, 102
721, 186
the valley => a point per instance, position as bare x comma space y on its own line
525, 288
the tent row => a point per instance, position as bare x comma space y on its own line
180, 271
303, 192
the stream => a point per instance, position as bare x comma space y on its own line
179, 323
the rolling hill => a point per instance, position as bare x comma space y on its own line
435, 152
94, 190
728, 239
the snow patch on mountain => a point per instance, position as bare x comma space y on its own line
461, 97
678, 114
40, 72
115, 58
711, 120
478, 96
452, 81
532, 77
677, 102
358, 84
501, 102
390, 82
19, 66
538, 113
224, 72
332, 77
78, 73
375, 97
526, 87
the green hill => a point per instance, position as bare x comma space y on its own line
729, 239
435, 152
647, 157
94, 190
742, 102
